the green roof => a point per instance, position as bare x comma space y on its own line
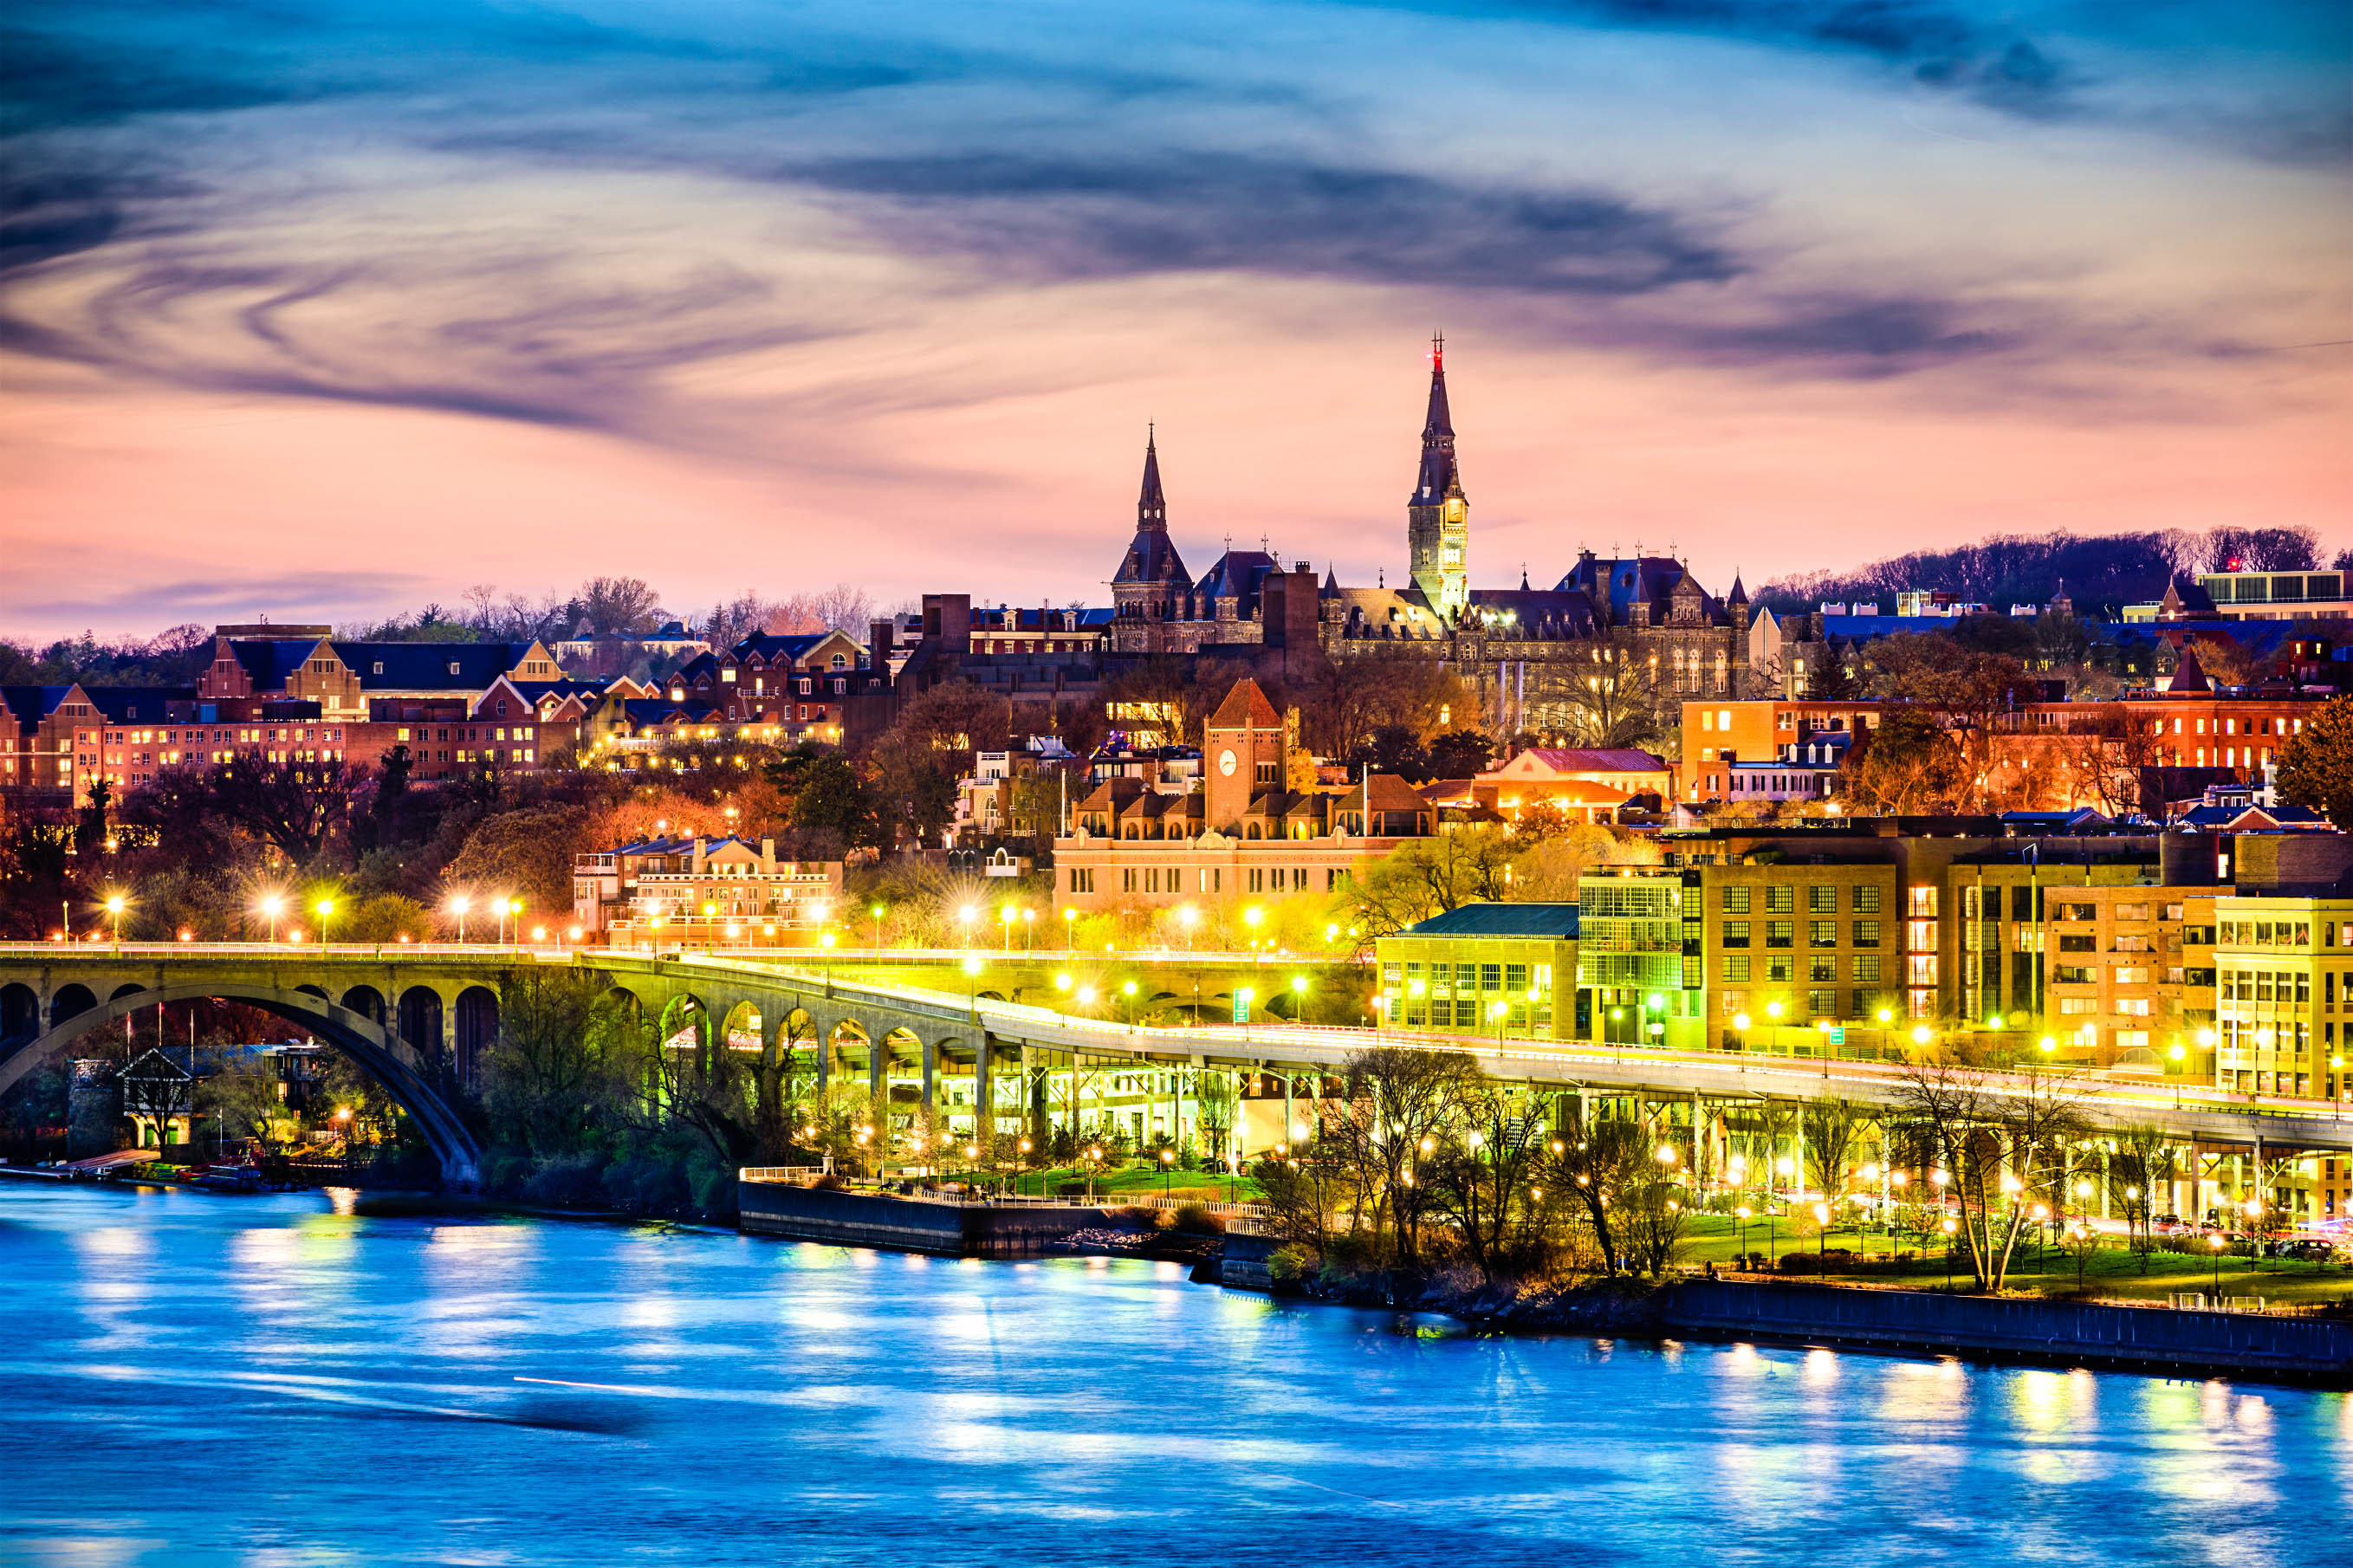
1551, 922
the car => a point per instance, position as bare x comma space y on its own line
2307, 1250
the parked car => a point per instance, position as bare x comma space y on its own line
2307, 1250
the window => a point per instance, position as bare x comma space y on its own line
2071, 974
1127, 880
1866, 934
1866, 969
1866, 901
1735, 901
1491, 976
2132, 944
2131, 975
1735, 967
1781, 933
2079, 912
1821, 901
1736, 933
2085, 943
1821, 933
2078, 1006
1780, 899
1777, 970
1821, 970
1515, 978
1822, 1003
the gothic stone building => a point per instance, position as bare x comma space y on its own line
1523, 650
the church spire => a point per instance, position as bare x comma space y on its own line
1439, 478
1151, 506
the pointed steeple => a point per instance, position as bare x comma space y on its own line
1151, 506
1439, 478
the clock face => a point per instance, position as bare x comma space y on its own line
1226, 763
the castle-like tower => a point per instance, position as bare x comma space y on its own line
1438, 515
1149, 590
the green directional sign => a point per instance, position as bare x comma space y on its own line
1242, 995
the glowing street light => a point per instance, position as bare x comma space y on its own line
115, 907
458, 904
326, 908
271, 904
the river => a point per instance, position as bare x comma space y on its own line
198, 1379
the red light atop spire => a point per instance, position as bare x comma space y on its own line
1438, 350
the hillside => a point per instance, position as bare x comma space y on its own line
2101, 570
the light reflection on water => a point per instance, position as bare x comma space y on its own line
197, 1380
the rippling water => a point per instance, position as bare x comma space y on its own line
195, 1379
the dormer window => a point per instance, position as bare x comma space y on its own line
453, 667
379, 667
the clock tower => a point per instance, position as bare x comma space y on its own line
1437, 514
1242, 757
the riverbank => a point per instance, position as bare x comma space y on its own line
2312, 1350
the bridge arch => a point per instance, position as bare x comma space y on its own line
122, 991
380, 1054
741, 1030
70, 1001
20, 1012
420, 1021
477, 1029
682, 1014
366, 1001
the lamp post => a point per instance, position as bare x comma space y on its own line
1948, 1226
271, 904
1069, 930
965, 916
114, 908
458, 904
326, 910
876, 912
1167, 1164
1743, 1212
2215, 1243
1127, 994
1005, 919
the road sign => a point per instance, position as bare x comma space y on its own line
1242, 995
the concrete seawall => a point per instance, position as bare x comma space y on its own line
907, 1225
2146, 1338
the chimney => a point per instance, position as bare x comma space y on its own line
768, 856
878, 642
698, 854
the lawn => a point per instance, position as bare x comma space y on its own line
1119, 1180
2109, 1269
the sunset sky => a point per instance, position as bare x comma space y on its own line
325, 311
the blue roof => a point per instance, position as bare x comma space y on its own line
1556, 922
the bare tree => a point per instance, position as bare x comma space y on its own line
1603, 1164
2139, 1165
1396, 1103
1483, 1176
1833, 1129
1997, 1137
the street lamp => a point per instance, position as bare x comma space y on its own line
457, 905
114, 908
326, 908
876, 912
1005, 919
1167, 1164
1127, 989
967, 915
271, 904
1251, 918
1070, 932
2216, 1244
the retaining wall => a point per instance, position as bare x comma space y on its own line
906, 1225
2154, 1339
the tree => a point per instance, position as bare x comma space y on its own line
559, 1071
1833, 1130
2139, 1168
1460, 754
1613, 698
1999, 1138
2315, 766
1904, 765
1426, 876
1395, 1104
832, 800
612, 606
297, 807
1481, 1176
526, 854
1602, 1165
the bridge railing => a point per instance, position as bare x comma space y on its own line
779, 1173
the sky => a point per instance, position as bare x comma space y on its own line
326, 311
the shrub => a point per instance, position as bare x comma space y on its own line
828, 1183
567, 1181
1195, 1219
1285, 1264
